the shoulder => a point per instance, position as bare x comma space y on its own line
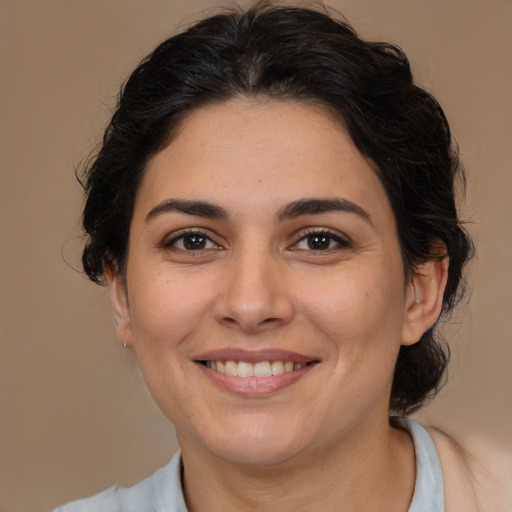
477, 474
115, 499
161, 491
107, 500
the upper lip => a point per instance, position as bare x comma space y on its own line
254, 356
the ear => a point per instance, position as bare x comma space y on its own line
424, 299
119, 298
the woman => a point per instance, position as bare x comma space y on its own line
273, 210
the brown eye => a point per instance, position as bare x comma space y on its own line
191, 241
194, 242
322, 241
319, 242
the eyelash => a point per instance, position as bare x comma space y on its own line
171, 244
306, 236
330, 236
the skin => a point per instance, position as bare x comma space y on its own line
256, 283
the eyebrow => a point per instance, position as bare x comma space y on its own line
315, 206
198, 208
306, 206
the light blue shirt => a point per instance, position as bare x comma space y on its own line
162, 491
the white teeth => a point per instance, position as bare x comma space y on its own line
277, 367
245, 369
262, 369
231, 368
259, 369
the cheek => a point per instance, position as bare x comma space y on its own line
362, 319
165, 309
358, 307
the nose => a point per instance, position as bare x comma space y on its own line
254, 296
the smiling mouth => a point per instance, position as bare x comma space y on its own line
260, 369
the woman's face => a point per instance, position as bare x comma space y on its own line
263, 244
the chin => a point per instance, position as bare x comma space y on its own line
256, 452
254, 445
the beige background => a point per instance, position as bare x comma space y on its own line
74, 417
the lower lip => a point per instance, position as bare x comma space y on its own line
255, 386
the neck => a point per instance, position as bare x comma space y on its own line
373, 472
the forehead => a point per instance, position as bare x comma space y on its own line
242, 152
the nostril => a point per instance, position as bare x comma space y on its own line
252, 311
229, 320
251, 324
